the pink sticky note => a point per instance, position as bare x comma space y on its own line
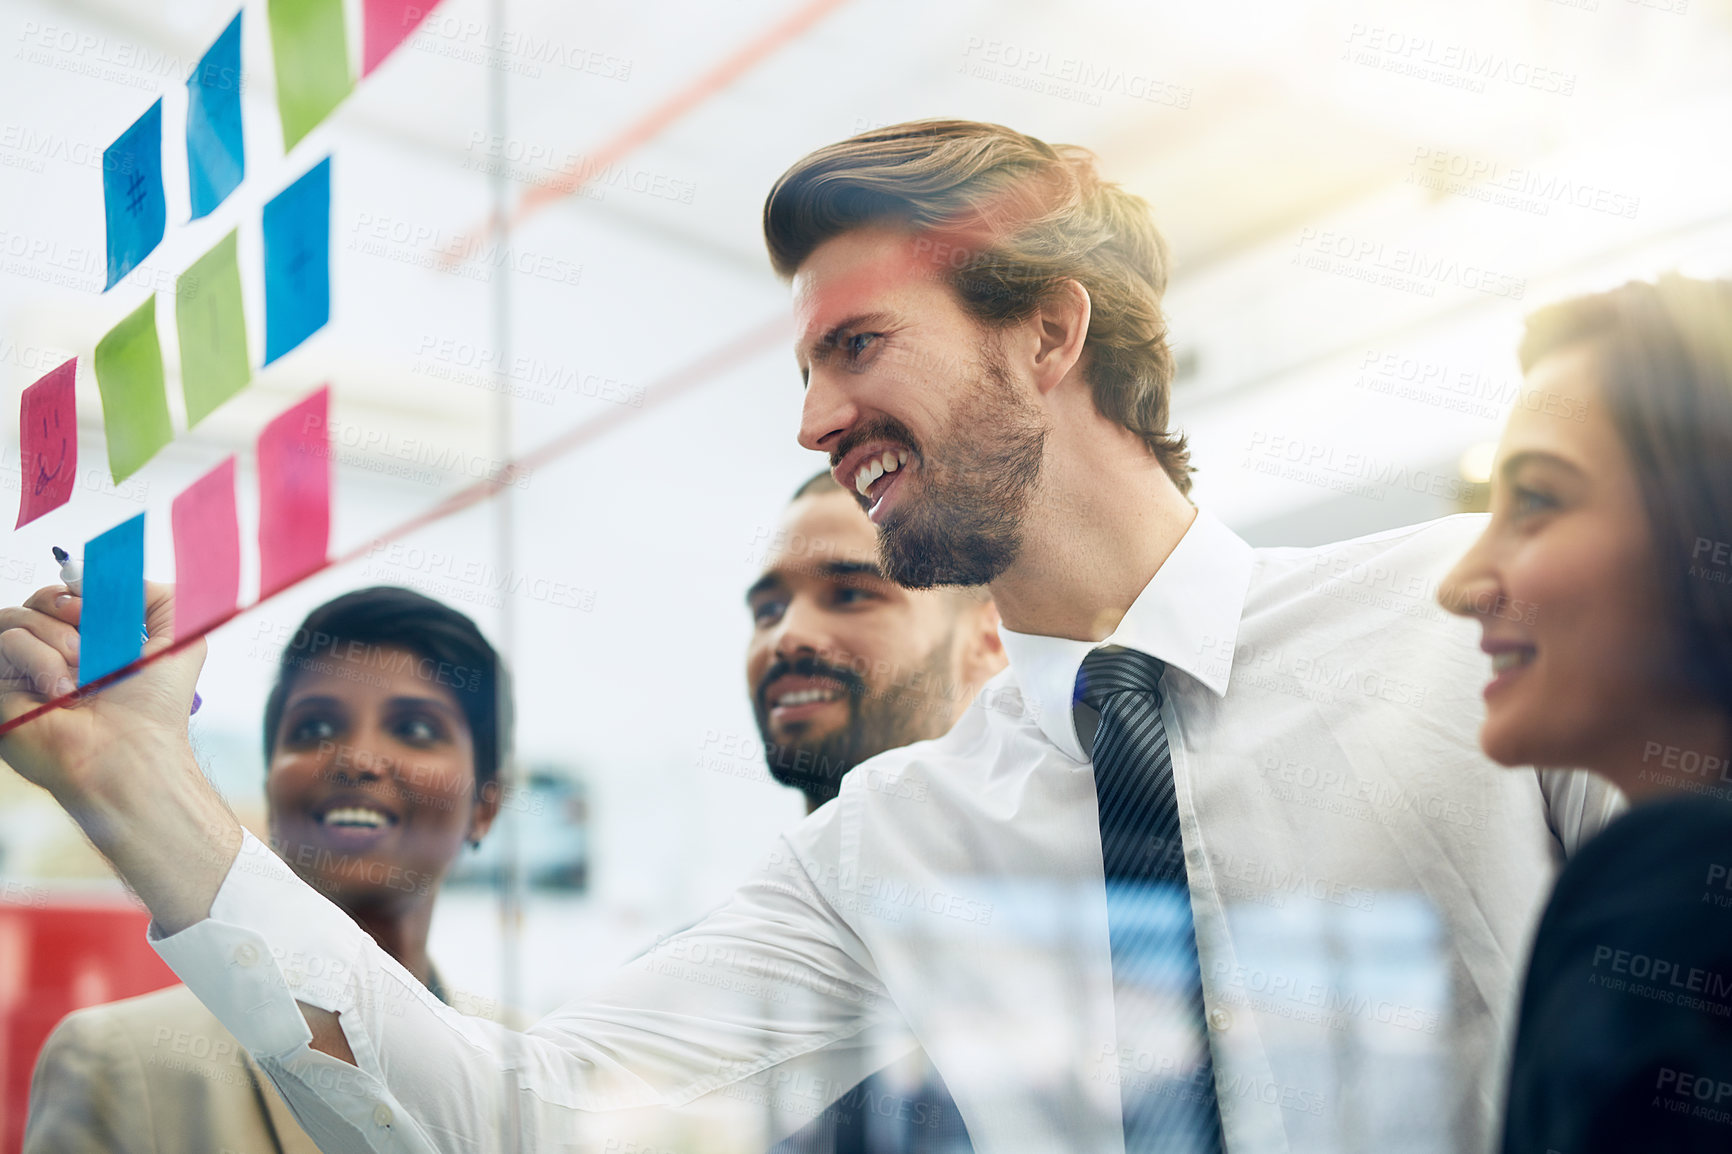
294, 493
48, 443
207, 552
386, 24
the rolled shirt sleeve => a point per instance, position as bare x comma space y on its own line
756, 1017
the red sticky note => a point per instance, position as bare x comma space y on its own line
386, 24
48, 443
294, 493
207, 552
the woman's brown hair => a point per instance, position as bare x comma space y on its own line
1662, 353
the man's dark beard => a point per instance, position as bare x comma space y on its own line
964, 525
899, 716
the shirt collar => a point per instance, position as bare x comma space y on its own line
1187, 615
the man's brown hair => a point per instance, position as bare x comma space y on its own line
1009, 218
820, 482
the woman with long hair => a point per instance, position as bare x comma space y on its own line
1603, 584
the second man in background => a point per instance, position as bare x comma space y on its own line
844, 664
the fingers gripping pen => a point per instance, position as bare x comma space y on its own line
72, 576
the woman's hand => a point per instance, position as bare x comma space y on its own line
120, 729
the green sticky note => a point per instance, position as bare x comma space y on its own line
311, 52
134, 400
212, 330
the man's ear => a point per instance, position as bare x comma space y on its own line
982, 648
1062, 329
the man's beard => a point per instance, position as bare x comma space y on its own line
964, 525
913, 709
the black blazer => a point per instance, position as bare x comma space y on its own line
871, 1119
1624, 1043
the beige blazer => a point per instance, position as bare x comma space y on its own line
158, 1074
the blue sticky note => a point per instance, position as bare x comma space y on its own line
298, 261
132, 194
111, 622
215, 159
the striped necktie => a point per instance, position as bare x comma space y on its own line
1166, 1079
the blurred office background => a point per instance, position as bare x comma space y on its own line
1362, 198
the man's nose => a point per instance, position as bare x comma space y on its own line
801, 631
827, 414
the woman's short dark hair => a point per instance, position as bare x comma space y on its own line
1663, 358
448, 647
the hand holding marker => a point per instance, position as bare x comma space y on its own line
72, 576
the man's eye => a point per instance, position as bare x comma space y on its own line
850, 596
766, 612
856, 344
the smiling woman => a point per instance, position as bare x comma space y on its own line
1609, 626
383, 739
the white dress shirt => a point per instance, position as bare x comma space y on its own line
1364, 885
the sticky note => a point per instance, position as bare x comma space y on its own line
132, 194
294, 493
311, 52
111, 621
134, 403
207, 552
215, 158
386, 24
213, 331
47, 442
297, 226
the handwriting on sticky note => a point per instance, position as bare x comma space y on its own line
132, 199
128, 366
297, 229
212, 327
294, 461
48, 442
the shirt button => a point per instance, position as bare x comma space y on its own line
1220, 1020
381, 1115
247, 954
293, 977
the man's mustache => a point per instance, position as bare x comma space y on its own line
852, 683
879, 428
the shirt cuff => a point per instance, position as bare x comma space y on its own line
270, 941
